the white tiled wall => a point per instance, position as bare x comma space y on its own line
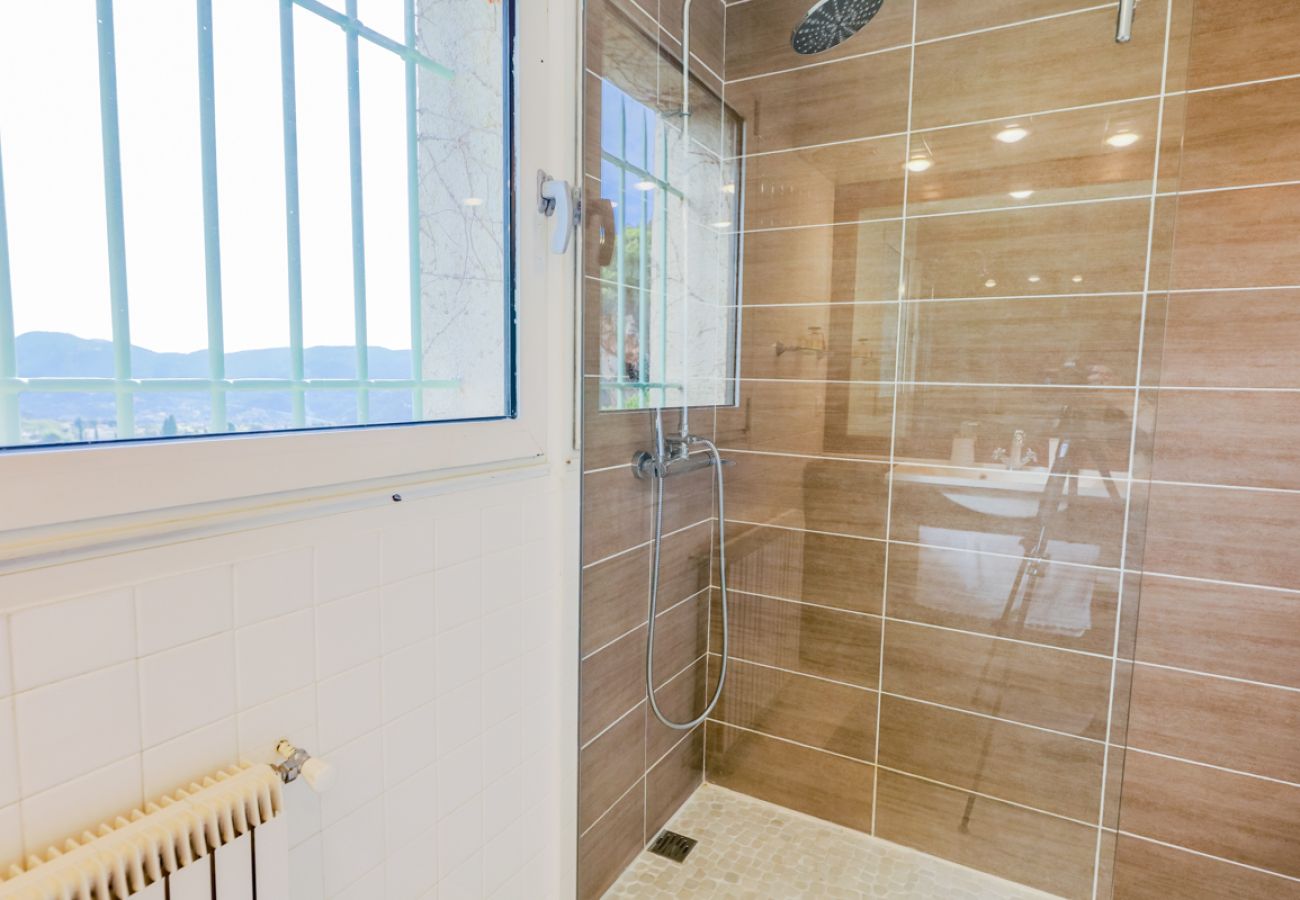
415, 646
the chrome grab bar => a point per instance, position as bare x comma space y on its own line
1124, 29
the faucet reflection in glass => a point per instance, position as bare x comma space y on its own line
1019, 456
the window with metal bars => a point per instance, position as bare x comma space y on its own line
233, 216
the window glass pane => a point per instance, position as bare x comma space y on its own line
233, 216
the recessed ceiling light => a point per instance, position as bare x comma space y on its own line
1123, 139
992, 282
1022, 195
728, 189
721, 224
473, 201
644, 185
1077, 279
1012, 134
1034, 279
920, 164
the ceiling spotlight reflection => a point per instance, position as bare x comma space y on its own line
1011, 134
1034, 279
644, 185
920, 164
720, 225
473, 201
992, 282
1021, 195
1077, 279
1123, 139
728, 189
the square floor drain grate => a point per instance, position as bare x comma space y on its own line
672, 845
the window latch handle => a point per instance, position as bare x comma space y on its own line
557, 198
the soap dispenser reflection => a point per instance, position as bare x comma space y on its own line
963, 444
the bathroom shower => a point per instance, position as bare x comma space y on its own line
831, 22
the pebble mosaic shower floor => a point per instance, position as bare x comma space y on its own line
754, 850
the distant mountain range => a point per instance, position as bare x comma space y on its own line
44, 354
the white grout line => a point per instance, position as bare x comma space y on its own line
1091, 201
643, 544
1133, 444
1294, 592
1205, 765
1222, 859
817, 65
808, 603
1240, 84
785, 740
750, 662
1017, 24
995, 799
640, 782
598, 735
1272, 685
821, 146
1234, 290
993, 718
1234, 187
640, 625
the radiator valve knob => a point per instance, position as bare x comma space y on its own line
319, 774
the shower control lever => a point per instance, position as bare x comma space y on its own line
676, 461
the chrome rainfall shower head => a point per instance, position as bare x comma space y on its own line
830, 22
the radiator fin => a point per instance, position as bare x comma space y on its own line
133, 855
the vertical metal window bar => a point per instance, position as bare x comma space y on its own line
9, 430
115, 223
211, 221
362, 338
293, 230
413, 213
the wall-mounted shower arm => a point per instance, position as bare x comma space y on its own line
1124, 29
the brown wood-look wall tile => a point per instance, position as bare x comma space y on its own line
671, 781
1211, 720
809, 639
827, 570
612, 682
1101, 244
1012, 762
782, 417
1035, 685
1232, 239
614, 598
1241, 632
1230, 816
823, 104
837, 496
839, 183
1066, 159
940, 18
1232, 339
994, 511
1224, 534
1243, 135
1014, 71
1198, 435
707, 32
605, 851
808, 710
1147, 871
809, 781
758, 36
615, 513
609, 765
1083, 340
1070, 606
860, 340
822, 264
681, 637
681, 699
1018, 844
1243, 40
684, 564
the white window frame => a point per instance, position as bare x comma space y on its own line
63, 489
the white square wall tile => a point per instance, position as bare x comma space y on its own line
6, 664
72, 637
409, 679
460, 777
360, 770
9, 788
273, 585
460, 717
182, 608
409, 744
291, 716
349, 705
11, 835
187, 688
502, 803
459, 836
407, 871
275, 657
353, 846
347, 633
81, 804
459, 656
459, 537
305, 863
505, 642
502, 527
503, 580
502, 692
73, 727
407, 545
465, 882
189, 757
408, 611
347, 565
410, 808
459, 590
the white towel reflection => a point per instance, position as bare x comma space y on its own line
968, 581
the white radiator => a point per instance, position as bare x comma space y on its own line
222, 839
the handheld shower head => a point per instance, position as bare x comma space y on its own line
831, 22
